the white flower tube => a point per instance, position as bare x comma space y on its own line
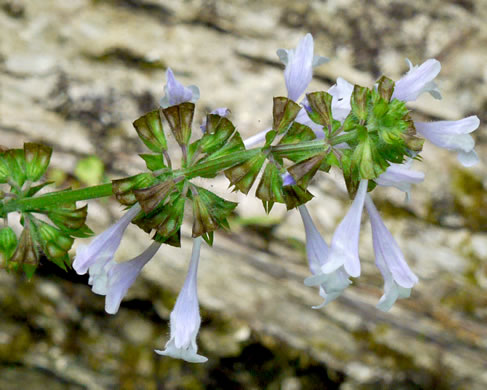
419, 79
299, 64
453, 135
344, 244
185, 318
103, 247
114, 279
400, 176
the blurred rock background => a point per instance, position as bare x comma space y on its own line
75, 74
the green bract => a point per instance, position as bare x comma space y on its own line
162, 193
20, 169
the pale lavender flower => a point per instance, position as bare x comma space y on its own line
317, 251
299, 64
400, 176
453, 135
419, 79
341, 93
177, 93
104, 246
222, 111
298, 72
398, 278
185, 318
114, 279
344, 244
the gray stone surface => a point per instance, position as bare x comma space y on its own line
74, 74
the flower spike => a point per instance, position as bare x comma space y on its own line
185, 318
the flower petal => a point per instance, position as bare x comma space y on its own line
400, 176
104, 246
344, 245
316, 249
122, 275
299, 66
340, 103
468, 159
389, 258
417, 80
177, 93
452, 135
185, 318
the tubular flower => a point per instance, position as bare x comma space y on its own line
298, 72
453, 135
177, 93
185, 318
299, 64
114, 279
398, 278
344, 244
317, 251
419, 79
103, 247
400, 176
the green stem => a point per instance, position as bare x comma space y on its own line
211, 167
307, 146
350, 136
206, 168
56, 198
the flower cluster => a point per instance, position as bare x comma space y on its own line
113, 279
367, 133
332, 266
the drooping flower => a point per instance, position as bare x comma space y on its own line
185, 318
344, 244
398, 277
114, 279
453, 135
419, 79
317, 251
222, 111
400, 176
299, 64
177, 93
104, 246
